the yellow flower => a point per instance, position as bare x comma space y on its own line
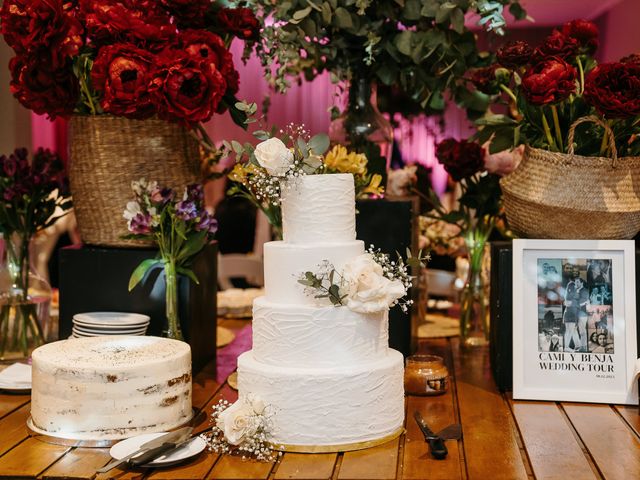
374, 187
238, 174
343, 161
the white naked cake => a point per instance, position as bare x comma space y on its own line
328, 371
107, 388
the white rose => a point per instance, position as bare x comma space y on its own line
274, 156
237, 422
369, 290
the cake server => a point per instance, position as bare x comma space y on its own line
170, 438
150, 455
436, 440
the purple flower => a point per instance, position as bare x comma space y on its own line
162, 195
207, 223
195, 193
140, 224
9, 165
186, 210
9, 194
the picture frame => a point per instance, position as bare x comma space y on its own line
574, 321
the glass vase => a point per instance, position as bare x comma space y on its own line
474, 298
172, 329
25, 299
363, 128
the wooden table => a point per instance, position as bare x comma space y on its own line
503, 439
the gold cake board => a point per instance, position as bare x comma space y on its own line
345, 447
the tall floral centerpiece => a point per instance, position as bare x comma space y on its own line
477, 213
35, 194
580, 122
180, 227
138, 79
421, 48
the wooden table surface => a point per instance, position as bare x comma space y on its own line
503, 439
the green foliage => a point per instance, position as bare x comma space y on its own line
420, 46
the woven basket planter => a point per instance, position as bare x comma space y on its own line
107, 153
567, 196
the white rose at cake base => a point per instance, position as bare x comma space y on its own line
236, 422
274, 156
369, 291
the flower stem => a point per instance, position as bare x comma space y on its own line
556, 125
547, 131
509, 92
581, 69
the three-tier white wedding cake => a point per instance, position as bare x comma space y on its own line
328, 371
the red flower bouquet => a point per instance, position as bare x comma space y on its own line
551, 86
130, 58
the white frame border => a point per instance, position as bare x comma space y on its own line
520, 390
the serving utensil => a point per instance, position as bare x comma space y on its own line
436, 440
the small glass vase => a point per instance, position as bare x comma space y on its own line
172, 329
474, 299
363, 128
25, 299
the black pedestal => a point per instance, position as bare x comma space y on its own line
96, 279
501, 355
391, 225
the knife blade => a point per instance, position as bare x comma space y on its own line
436, 444
156, 442
154, 453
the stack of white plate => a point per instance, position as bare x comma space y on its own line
98, 324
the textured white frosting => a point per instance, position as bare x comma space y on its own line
319, 208
329, 406
111, 387
299, 336
284, 262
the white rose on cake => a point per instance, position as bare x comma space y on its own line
274, 156
237, 422
369, 291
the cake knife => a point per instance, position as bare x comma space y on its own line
156, 442
436, 440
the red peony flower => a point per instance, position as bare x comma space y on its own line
556, 45
550, 81
188, 13
121, 72
614, 89
584, 32
210, 47
241, 22
186, 89
461, 159
43, 26
515, 54
484, 79
633, 58
142, 22
41, 87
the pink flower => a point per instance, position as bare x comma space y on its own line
504, 162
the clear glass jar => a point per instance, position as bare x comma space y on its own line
425, 375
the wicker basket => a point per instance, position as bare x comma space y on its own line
107, 153
555, 195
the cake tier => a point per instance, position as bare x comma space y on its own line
111, 387
328, 406
319, 208
285, 262
306, 336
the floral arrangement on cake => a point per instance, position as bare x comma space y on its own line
136, 59
179, 226
418, 48
35, 194
243, 428
369, 283
289, 154
550, 86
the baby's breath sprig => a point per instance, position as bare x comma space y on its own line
325, 283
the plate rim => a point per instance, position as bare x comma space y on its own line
155, 463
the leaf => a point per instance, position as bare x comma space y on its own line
457, 20
327, 14
403, 42
193, 245
141, 271
188, 273
343, 18
319, 144
300, 14
302, 146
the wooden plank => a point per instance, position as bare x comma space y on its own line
79, 463
438, 412
13, 428
489, 433
550, 443
613, 445
234, 468
377, 463
30, 458
631, 415
9, 403
305, 466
